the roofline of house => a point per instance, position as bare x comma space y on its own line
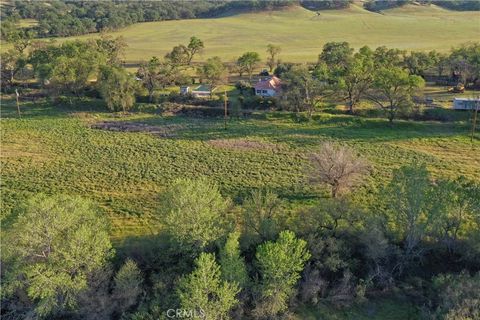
466, 99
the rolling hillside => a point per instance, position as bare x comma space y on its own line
302, 33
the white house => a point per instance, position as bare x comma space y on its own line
268, 87
466, 103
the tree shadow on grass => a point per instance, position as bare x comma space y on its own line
310, 133
43, 108
297, 192
153, 253
279, 127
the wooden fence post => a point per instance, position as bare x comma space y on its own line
17, 95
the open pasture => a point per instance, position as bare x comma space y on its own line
302, 33
53, 149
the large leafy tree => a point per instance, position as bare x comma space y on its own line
42, 59
393, 88
273, 51
9, 27
155, 74
248, 62
280, 264
117, 87
179, 55
409, 201
182, 55
194, 47
336, 56
51, 250
386, 57
418, 62
112, 48
213, 71
465, 62
456, 206
194, 213
12, 63
70, 74
204, 293
357, 77
149, 74
302, 90
442, 63
67, 67
20, 38
262, 217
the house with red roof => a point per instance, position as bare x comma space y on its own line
268, 87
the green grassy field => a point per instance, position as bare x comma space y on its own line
301, 33
54, 150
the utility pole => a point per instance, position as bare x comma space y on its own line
474, 120
225, 100
18, 104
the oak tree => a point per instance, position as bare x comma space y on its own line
54, 246
273, 51
249, 61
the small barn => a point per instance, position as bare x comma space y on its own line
466, 103
268, 87
184, 89
202, 91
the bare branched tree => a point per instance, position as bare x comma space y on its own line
337, 167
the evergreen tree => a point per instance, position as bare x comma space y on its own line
203, 292
128, 285
232, 264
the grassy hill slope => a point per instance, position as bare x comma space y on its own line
302, 33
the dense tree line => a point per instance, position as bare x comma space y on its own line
327, 4
70, 18
460, 5
67, 18
378, 5
254, 258
390, 78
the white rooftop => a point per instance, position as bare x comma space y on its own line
467, 99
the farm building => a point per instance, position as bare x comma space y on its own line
466, 103
184, 89
268, 87
202, 91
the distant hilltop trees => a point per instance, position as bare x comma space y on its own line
71, 18
460, 5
